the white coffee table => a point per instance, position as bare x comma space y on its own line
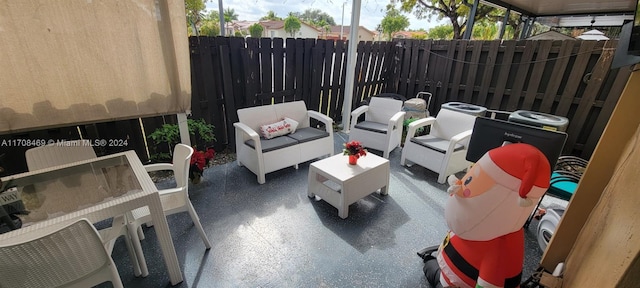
341, 184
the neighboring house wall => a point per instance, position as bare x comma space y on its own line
275, 29
364, 34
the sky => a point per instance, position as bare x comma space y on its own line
371, 11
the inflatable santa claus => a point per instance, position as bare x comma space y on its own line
485, 213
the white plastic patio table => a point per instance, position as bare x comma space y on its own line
96, 189
340, 184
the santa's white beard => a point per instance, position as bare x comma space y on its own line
487, 216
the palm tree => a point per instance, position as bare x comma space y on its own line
229, 15
271, 16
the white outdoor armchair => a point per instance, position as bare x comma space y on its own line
444, 149
174, 200
68, 256
382, 125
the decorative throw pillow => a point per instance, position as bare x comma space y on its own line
280, 128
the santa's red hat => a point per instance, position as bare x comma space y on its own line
521, 167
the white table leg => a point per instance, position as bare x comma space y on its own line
164, 237
343, 209
312, 183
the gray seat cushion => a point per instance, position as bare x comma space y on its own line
435, 143
373, 127
273, 143
308, 134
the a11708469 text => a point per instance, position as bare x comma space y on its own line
61, 142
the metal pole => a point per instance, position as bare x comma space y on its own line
221, 16
471, 20
342, 24
504, 22
351, 65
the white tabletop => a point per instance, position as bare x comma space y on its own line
338, 165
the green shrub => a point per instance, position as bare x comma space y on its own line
169, 135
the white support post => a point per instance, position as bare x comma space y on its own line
351, 63
184, 129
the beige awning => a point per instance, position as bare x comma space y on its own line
70, 61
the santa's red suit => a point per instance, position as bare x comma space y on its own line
486, 212
500, 259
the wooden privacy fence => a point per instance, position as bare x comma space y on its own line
569, 78
566, 78
233, 73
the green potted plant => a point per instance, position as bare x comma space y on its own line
202, 134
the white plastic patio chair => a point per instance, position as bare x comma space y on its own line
174, 200
68, 256
444, 149
382, 125
66, 152
58, 154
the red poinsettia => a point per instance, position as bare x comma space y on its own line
200, 160
354, 148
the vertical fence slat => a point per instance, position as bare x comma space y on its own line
374, 66
316, 70
577, 71
278, 67
423, 60
458, 71
536, 74
337, 117
326, 78
337, 95
251, 65
473, 70
413, 69
523, 72
266, 65
503, 76
357, 92
230, 110
369, 81
487, 73
556, 76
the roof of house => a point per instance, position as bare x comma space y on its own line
347, 29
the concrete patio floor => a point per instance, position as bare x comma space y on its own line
273, 235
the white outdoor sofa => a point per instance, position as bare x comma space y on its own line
263, 156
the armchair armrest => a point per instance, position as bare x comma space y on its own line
413, 126
458, 138
158, 167
396, 120
355, 114
249, 134
328, 122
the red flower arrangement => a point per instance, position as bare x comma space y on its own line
354, 148
199, 161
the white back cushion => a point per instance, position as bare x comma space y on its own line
382, 109
449, 123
